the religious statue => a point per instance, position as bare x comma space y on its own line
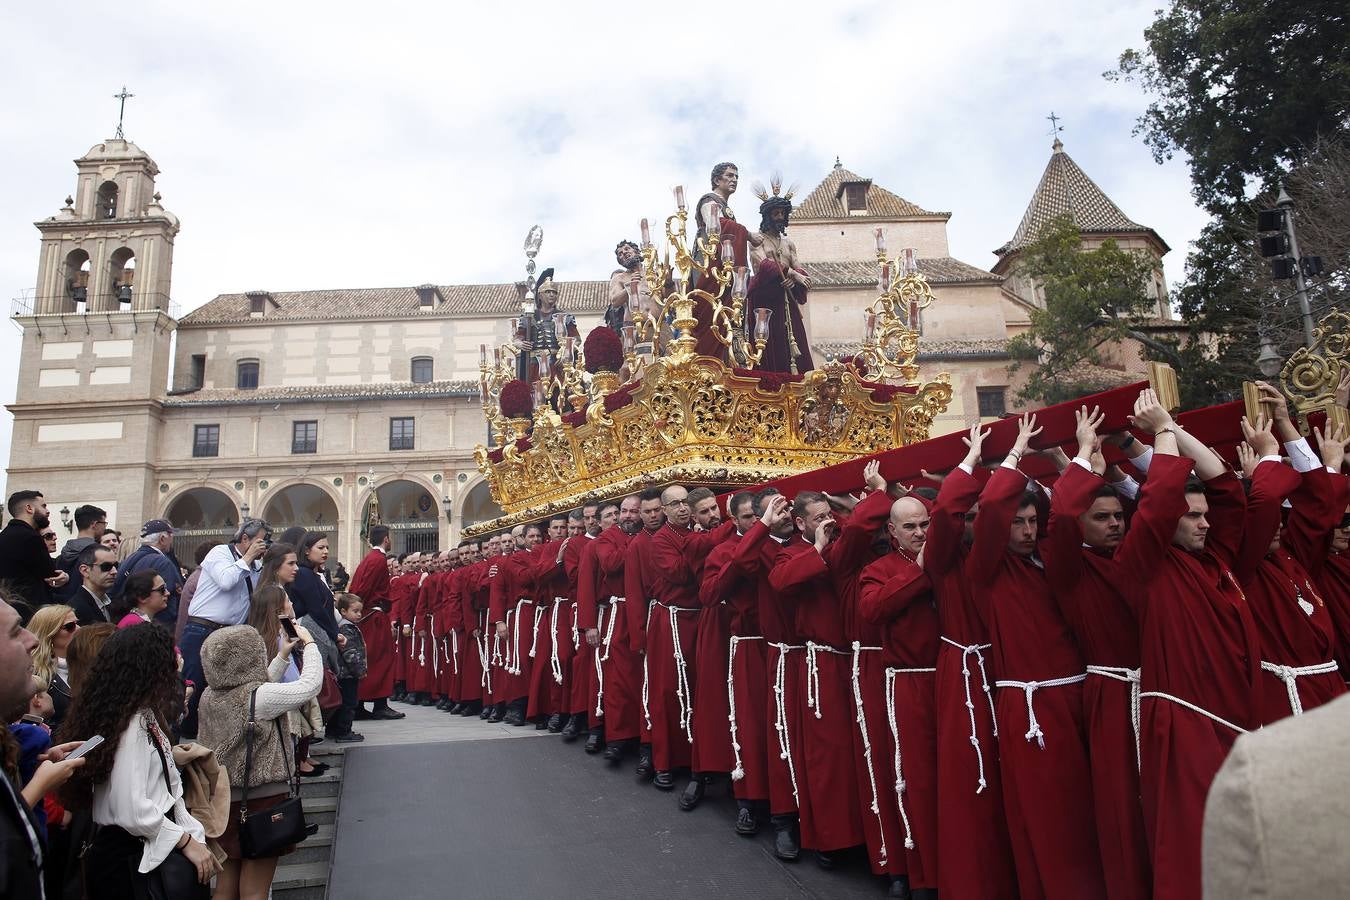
539, 338
629, 258
779, 284
714, 206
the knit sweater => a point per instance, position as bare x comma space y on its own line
234, 661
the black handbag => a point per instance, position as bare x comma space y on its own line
272, 830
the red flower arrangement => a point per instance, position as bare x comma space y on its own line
604, 350
517, 400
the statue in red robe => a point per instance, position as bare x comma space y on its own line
779, 285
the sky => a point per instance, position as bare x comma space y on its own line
308, 146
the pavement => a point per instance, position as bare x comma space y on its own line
428, 725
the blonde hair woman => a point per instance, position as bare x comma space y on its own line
54, 626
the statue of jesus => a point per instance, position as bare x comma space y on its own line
779, 284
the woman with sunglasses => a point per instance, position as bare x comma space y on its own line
143, 595
54, 626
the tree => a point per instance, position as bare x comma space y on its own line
1252, 93
1092, 298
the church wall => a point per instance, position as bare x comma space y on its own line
838, 240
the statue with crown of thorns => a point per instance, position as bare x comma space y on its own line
779, 285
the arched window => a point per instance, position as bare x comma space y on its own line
77, 279
107, 200
122, 276
248, 375
422, 369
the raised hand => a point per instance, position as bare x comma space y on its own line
1085, 430
776, 512
937, 478
824, 531
1247, 460
974, 440
872, 476
1149, 414
1026, 430
1331, 445
1260, 436
1343, 388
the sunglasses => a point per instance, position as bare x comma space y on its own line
70, 627
1345, 521
160, 590
107, 566
49, 535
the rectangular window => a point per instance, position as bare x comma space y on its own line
421, 370
248, 375
993, 402
401, 433
305, 437
198, 370
206, 440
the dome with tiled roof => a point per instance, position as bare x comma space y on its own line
832, 200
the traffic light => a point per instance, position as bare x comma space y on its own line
1276, 244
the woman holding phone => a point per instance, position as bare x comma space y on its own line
146, 834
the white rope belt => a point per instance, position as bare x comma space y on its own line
454, 650
739, 772
1162, 695
1132, 678
966, 651
646, 709
682, 688
539, 613
554, 661
485, 679
599, 660
861, 719
576, 633
895, 742
1030, 688
1291, 674
421, 648
512, 658
813, 673
435, 658
780, 723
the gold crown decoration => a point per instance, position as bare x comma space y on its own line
691, 419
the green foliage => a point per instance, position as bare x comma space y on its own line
1092, 297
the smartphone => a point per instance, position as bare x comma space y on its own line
85, 747
288, 626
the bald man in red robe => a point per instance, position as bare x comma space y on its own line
974, 851
677, 556
576, 687
1199, 647
809, 568
1042, 740
1083, 551
370, 582
594, 613
544, 706
896, 597
638, 607
1298, 637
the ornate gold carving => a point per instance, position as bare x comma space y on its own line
1310, 375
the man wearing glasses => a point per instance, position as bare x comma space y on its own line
25, 561
90, 523
98, 571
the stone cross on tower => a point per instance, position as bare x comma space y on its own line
121, 111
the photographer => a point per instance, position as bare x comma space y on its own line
229, 573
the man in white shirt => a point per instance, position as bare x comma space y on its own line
222, 598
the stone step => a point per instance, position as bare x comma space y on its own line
322, 810
325, 785
314, 849
300, 881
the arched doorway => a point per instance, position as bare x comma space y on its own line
413, 515
478, 506
306, 506
201, 515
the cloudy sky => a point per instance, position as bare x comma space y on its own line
363, 145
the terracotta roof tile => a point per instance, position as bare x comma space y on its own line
938, 270
1065, 189
460, 300
825, 202
335, 392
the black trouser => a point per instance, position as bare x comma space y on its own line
341, 721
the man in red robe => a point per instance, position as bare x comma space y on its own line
576, 693
677, 559
1199, 648
489, 643
455, 633
713, 756
619, 700
809, 569
974, 853
896, 596
550, 584
420, 657
511, 610
1298, 637
595, 612
730, 591
1327, 556
637, 584
370, 582
1047, 783
400, 594
1085, 541
473, 676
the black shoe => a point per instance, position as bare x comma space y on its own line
785, 843
693, 793
746, 823
387, 713
350, 737
899, 888
513, 717
555, 723
826, 861
319, 767
644, 769
595, 741
572, 730
924, 893
471, 708
664, 781
497, 714
541, 724
615, 751
313, 773
397, 696
362, 714
315, 740
485, 711
443, 704
454, 708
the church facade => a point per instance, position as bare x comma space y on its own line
308, 407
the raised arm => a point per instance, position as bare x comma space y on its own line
956, 495
1318, 505
998, 505
1272, 482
